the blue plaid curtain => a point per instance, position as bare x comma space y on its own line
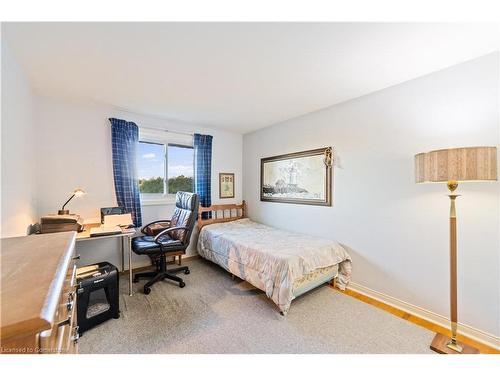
125, 138
203, 169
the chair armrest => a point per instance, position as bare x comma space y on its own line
166, 231
154, 222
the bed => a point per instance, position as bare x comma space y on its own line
283, 264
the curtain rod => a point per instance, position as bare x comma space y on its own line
165, 130
157, 117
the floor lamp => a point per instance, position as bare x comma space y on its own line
451, 166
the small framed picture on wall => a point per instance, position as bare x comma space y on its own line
226, 185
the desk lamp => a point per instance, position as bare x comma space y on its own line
78, 192
451, 166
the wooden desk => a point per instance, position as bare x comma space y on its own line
125, 236
38, 281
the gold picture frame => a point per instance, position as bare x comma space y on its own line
301, 177
226, 185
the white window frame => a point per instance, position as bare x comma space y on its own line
165, 138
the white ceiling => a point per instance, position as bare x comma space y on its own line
238, 76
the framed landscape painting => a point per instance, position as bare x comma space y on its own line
226, 185
301, 177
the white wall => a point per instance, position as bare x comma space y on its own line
18, 190
397, 231
74, 150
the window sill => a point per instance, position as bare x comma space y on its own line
158, 202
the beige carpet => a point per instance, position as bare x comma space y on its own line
215, 314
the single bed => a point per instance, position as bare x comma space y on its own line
283, 264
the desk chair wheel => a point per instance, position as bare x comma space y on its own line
187, 272
182, 284
147, 290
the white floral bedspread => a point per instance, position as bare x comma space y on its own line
269, 258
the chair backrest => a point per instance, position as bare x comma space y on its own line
185, 215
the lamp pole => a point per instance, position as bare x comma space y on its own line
62, 211
452, 185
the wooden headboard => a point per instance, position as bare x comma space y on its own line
221, 213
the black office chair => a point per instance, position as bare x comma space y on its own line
168, 241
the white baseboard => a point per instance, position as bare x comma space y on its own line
465, 330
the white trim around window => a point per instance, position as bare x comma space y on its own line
167, 200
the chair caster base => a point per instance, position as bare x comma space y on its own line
187, 272
147, 290
182, 284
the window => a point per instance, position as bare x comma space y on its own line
151, 168
180, 168
163, 170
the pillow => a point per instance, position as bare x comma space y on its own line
156, 228
179, 219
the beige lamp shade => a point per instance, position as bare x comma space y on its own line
79, 192
456, 164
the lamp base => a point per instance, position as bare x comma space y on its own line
440, 345
63, 212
